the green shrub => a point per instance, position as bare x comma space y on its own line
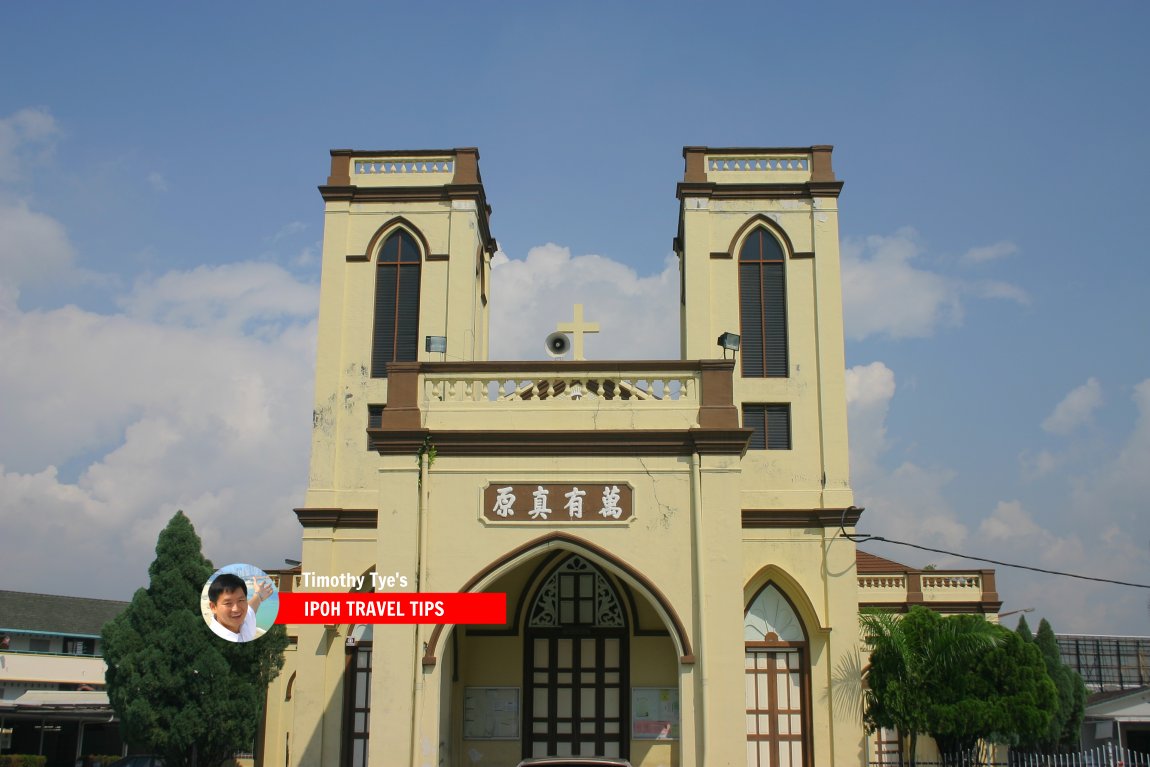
22, 760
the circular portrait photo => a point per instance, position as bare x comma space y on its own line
239, 602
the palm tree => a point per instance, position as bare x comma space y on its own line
909, 654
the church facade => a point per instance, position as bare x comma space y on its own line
670, 534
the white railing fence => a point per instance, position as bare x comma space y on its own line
1101, 756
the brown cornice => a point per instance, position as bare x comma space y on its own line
397, 442
947, 608
757, 518
760, 191
752, 150
339, 518
438, 257
564, 367
803, 254
628, 442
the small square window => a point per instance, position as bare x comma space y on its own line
771, 425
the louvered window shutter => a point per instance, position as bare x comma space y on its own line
770, 426
763, 307
396, 324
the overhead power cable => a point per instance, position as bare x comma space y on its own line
867, 538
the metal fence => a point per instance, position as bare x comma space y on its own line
1102, 756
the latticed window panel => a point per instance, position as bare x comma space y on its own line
774, 698
576, 594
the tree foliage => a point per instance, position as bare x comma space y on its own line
1062, 733
1023, 630
177, 688
912, 658
1003, 696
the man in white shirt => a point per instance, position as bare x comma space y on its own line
233, 614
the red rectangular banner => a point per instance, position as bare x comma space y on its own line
480, 608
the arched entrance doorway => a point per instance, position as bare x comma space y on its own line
576, 665
777, 682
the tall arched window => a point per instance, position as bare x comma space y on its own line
777, 688
763, 306
396, 331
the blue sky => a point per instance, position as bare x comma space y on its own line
159, 232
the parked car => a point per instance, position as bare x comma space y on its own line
139, 760
574, 761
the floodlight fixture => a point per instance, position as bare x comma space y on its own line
729, 342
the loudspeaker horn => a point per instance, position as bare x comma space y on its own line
558, 344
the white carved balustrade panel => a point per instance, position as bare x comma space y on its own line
508, 389
882, 582
759, 164
411, 165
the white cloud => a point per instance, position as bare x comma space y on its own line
869, 389
989, 252
288, 230
157, 181
31, 130
1075, 409
34, 246
638, 316
180, 404
907, 498
247, 295
886, 293
1008, 520
1039, 464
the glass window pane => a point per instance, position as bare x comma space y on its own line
587, 702
541, 658
540, 705
563, 702
565, 648
611, 702
587, 652
611, 653
360, 692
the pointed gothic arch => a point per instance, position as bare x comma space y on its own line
564, 542
778, 680
395, 329
762, 255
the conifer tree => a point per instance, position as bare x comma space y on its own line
1023, 630
1064, 730
178, 689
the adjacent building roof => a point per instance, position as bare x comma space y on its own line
54, 614
866, 562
